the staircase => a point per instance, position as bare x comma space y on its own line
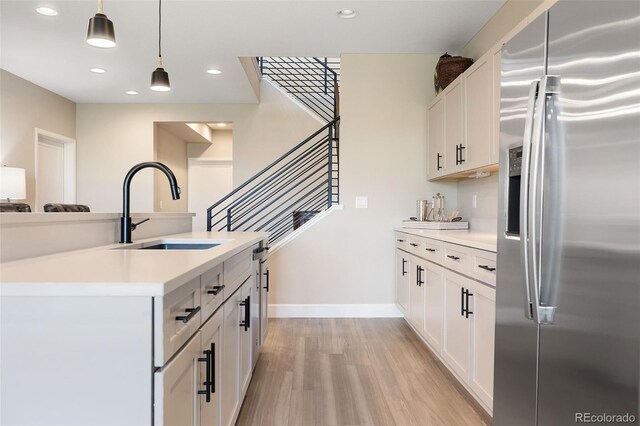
304, 181
312, 81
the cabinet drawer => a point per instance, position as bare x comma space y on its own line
212, 291
402, 241
432, 250
237, 270
484, 266
416, 245
457, 258
177, 316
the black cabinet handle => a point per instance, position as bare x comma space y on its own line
213, 367
400, 241
419, 281
467, 311
461, 149
462, 299
191, 313
267, 275
431, 250
216, 289
207, 382
486, 267
453, 257
413, 244
247, 313
438, 162
404, 272
457, 154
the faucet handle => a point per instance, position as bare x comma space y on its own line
135, 225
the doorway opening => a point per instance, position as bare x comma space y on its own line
201, 157
55, 169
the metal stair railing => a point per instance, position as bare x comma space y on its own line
300, 184
313, 81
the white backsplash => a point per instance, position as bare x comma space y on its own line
484, 216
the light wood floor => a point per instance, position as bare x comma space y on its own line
353, 372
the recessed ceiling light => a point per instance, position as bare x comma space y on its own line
214, 71
221, 124
98, 70
347, 13
46, 11
131, 92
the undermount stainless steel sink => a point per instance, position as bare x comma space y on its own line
175, 244
179, 246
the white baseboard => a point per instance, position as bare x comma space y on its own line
383, 310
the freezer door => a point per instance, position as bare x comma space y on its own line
590, 272
516, 338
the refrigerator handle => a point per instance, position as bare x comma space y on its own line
524, 198
548, 87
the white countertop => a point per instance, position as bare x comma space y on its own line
113, 271
480, 240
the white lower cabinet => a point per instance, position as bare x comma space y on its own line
402, 281
246, 344
454, 313
176, 387
211, 349
416, 293
230, 397
433, 305
457, 327
483, 331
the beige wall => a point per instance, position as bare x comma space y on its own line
505, 19
23, 108
114, 137
172, 152
348, 258
222, 146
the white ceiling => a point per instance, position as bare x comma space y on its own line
197, 35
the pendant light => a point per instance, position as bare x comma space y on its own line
160, 78
100, 32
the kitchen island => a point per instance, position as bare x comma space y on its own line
123, 335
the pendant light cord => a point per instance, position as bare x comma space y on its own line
100, 7
159, 28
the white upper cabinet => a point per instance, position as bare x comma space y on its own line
464, 121
478, 85
435, 149
454, 131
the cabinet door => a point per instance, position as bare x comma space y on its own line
416, 293
478, 113
246, 344
483, 306
211, 337
496, 67
176, 387
229, 386
402, 282
433, 305
457, 328
454, 137
264, 299
435, 146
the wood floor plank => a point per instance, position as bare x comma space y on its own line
353, 371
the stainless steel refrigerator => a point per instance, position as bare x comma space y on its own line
568, 283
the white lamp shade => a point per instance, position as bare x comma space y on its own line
13, 183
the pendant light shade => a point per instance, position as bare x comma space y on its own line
100, 32
159, 77
160, 80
